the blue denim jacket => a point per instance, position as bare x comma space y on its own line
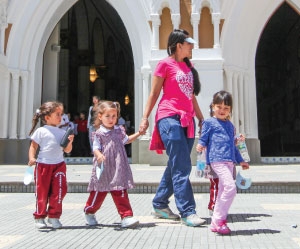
219, 138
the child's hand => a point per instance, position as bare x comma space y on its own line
241, 137
199, 148
100, 158
71, 138
32, 161
244, 165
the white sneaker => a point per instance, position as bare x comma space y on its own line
40, 223
55, 223
193, 220
91, 219
129, 221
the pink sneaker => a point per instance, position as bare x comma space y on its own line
222, 228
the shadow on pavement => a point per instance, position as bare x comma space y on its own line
244, 217
253, 232
115, 226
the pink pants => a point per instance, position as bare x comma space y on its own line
227, 190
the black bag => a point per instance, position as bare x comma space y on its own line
65, 141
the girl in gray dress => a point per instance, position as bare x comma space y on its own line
110, 156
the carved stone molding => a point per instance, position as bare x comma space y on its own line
3, 13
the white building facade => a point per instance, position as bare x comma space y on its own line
29, 43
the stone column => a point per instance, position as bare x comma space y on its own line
14, 104
247, 103
4, 94
229, 79
146, 90
216, 23
235, 118
241, 104
195, 19
23, 113
155, 18
3, 23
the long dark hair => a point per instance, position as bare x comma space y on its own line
46, 109
178, 36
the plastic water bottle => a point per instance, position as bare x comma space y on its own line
241, 145
201, 162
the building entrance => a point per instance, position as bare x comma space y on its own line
278, 84
95, 59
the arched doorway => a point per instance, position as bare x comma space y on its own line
278, 84
92, 34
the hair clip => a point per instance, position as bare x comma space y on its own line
38, 111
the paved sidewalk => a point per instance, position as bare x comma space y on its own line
258, 221
267, 218
265, 178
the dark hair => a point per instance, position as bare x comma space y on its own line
97, 97
46, 109
178, 36
102, 107
219, 98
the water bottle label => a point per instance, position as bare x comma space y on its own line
200, 165
244, 151
241, 146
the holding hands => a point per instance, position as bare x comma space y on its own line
143, 126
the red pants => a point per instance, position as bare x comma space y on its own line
213, 193
120, 198
50, 189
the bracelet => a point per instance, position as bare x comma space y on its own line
144, 118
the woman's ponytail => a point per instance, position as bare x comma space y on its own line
196, 83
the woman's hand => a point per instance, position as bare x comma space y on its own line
143, 126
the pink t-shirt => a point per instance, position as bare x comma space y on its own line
177, 88
177, 97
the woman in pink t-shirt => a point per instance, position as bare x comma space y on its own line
174, 129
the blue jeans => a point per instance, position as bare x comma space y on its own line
175, 179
